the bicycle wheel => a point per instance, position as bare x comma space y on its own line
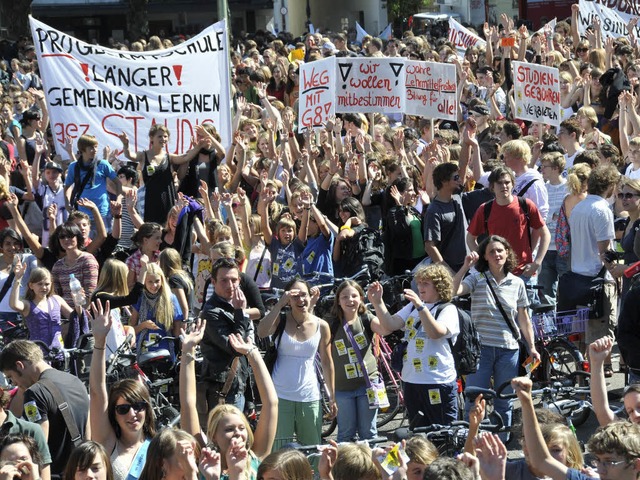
385, 415
328, 424
561, 358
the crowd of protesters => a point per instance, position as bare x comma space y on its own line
484, 206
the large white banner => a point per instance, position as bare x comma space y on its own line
94, 90
537, 92
369, 85
317, 100
431, 89
614, 16
463, 38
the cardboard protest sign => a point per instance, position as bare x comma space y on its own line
366, 85
463, 38
614, 16
537, 92
94, 90
317, 93
431, 90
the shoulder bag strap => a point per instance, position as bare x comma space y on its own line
264, 252
229, 381
66, 412
358, 353
7, 285
514, 330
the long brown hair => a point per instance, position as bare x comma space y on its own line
131, 391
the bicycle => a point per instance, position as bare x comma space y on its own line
124, 363
558, 396
555, 333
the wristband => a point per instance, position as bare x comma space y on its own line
421, 308
250, 350
98, 348
117, 216
345, 227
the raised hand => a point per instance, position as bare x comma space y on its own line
374, 293
101, 322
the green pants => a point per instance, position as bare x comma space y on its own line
304, 419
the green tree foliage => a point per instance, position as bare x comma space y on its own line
403, 9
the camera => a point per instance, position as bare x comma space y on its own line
611, 256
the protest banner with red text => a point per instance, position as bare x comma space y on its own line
431, 90
94, 90
537, 93
317, 102
369, 85
463, 38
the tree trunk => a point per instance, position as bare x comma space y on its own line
138, 19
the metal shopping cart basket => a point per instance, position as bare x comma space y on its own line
560, 324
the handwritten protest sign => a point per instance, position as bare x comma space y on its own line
614, 16
463, 38
370, 85
537, 92
94, 90
317, 93
431, 89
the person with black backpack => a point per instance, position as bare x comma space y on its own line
429, 323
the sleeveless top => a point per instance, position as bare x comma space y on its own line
132, 471
160, 192
294, 374
43, 325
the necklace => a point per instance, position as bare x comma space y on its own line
299, 325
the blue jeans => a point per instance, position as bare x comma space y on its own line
502, 365
634, 378
355, 416
553, 267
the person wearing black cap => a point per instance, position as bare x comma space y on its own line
49, 193
480, 113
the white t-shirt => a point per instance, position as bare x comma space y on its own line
631, 173
591, 222
428, 360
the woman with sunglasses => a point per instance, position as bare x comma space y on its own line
122, 421
629, 197
76, 261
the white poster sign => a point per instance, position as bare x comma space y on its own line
94, 90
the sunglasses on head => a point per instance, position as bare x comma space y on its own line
124, 408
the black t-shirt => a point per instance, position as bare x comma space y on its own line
39, 406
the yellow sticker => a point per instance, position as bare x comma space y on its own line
371, 396
419, 345
359, 368
412, 333
311, 256
353, 358
433, 362
341, 348
31, 411
276, 269
417, 365
288, 265
434, 397
361, 340
410, 322
350, 371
